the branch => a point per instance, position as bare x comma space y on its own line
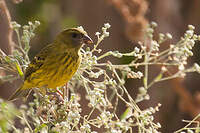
6, 43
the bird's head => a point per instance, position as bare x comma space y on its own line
73, 37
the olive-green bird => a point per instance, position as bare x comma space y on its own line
55, 64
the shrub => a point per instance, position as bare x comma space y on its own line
98, 77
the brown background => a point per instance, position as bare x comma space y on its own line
180, 99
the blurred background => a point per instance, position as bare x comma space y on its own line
180, 98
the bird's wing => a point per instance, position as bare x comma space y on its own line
38, 61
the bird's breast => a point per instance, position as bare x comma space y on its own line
57, 70
63, 69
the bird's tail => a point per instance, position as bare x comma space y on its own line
19, 93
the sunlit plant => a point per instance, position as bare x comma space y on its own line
103, 83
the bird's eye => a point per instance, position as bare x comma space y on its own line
74, 35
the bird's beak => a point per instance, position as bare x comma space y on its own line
87, 39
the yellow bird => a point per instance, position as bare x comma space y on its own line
55, 64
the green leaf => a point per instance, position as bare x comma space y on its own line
40, 127
145, 82
8, 59
158, 77
19, 70
127, 113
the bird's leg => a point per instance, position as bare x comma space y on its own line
58, 91
63, 92
55, 94
66, 91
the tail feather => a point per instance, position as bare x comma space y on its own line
19, 93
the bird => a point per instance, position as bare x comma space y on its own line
55, 64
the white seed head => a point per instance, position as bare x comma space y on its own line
171, 46
161, 35
146, 97
154, 24
142, 90
37, 23
25, 27
106, 34
97, 33
107, 25
103, 29
163, 69
30, 23
143, 47
15, 25
155, 45
181, 67
190, 131
189, 33
150, 30
140, 74
26, 130
195, 37
191, 42
191, 27
137, 50
169, 36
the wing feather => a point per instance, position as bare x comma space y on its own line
38, 61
